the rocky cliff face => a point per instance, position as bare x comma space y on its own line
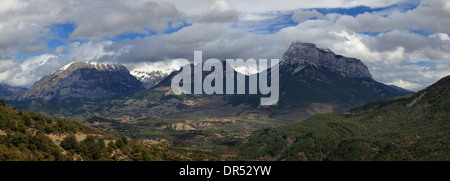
312, 75
300, 55
80, 81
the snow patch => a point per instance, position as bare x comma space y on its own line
98, 66
66, 66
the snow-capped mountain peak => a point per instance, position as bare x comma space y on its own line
150, 74
94, 65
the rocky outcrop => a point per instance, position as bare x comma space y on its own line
299, 55
80, 81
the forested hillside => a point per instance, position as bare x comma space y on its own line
413, 127
27, 136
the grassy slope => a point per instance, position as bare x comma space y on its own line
414, 127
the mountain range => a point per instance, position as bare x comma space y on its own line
311, 80
108, 96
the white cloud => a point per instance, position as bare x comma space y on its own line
255, 16
8, 5
219, 11
198, 7
404, 84
25, 26
303, 15
429, 15
107, 20
58, 50
411, 77
442, 36
90, 51
25, 73
288, 5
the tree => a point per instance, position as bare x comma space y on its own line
27, 120
139, 153
56, 152
96, 152
3, 121
101, 143
2, 103
112, 145
119, 143
124, 140
49, 119
70, 143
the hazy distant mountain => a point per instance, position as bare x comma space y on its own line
80, 81
10, 93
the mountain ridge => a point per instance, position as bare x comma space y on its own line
80, 81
